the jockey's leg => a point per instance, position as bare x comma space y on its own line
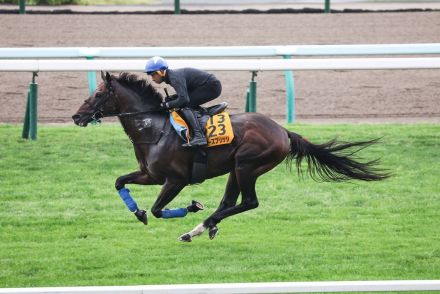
198, 138
205, 93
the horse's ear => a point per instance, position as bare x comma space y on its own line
102, 76
108, 77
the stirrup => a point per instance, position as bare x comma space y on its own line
196, 143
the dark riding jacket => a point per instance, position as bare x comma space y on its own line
193, 87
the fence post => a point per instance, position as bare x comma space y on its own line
91, 77
25, 133
176, 6
290, 93
31, 116
22, 6
327, 6
246, 108
251, 101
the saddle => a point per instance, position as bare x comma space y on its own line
203, 114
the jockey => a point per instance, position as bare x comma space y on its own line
193, 87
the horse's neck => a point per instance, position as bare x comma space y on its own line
142, 127
127, 102
145, 128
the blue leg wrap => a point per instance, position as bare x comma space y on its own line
171, 213
128, 200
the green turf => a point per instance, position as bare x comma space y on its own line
63, 224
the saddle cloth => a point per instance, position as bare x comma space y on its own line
216, 122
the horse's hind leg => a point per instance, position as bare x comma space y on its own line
231, 193
246, 182
252, 163
229, 200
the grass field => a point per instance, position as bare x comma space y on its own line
63, 224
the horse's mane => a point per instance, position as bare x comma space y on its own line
141, 87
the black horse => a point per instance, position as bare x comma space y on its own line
259, 145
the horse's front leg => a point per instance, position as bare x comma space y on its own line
137, 177
167, 194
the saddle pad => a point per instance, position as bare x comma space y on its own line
219, 130
179, 125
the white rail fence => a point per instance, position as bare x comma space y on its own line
242, 288
59, 65
219, 51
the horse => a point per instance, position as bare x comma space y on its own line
258, 146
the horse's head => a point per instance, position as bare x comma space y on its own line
99, 103
118, 96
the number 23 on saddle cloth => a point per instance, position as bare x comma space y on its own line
218, 128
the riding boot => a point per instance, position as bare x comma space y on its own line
197, 138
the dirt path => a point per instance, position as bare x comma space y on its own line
343, 96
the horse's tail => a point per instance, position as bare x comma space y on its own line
334, 161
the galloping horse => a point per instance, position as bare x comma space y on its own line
258, 146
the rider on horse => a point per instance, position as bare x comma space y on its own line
193, 87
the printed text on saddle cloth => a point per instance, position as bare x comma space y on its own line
219, 130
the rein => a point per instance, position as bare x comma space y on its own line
122, 114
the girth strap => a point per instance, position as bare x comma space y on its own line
200, 167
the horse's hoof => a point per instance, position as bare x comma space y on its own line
213, 232
185, 238
141, 215
195, 206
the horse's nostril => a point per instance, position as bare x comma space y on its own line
76, 118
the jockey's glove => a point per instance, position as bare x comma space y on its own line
171, 98
164, 106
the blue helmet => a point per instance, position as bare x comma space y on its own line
154, 64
